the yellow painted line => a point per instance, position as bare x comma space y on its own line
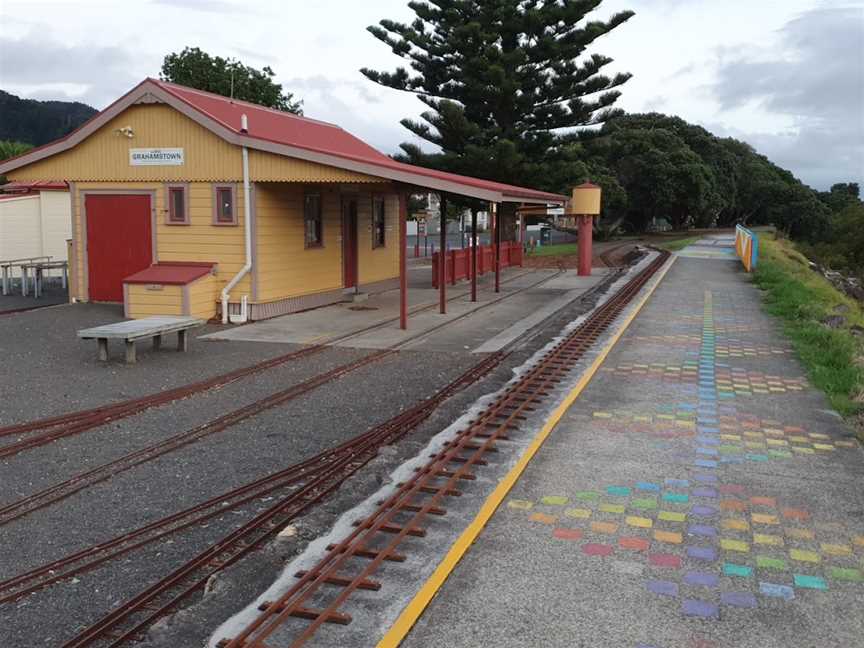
415, 607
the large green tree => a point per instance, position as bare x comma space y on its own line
228, 77
505, 82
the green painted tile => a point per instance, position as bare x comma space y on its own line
555, 500
810, 582
644, 503
766, 562
845, 574
587, 495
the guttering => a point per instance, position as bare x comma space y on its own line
247, 232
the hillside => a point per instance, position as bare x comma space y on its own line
39, 122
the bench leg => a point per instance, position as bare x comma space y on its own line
130, 352
157, 342
182, 341
103, 349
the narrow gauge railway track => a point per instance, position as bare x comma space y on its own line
26, 309
292, 479
351, 564
129, 621
64, 489
65, 425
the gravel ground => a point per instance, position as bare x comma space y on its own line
268, 442
50, 295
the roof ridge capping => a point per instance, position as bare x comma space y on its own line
168, 85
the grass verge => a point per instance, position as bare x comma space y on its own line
559, 249
678, 244
802, 299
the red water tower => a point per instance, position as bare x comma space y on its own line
585, 207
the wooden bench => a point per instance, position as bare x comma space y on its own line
134, 330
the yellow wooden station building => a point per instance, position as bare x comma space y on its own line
186, 202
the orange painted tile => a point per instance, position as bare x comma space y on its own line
732, 505
604, 527
543, 518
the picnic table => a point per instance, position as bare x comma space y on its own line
6, 266
131, 331
39, 268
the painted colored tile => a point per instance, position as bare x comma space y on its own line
766, 539
795, 514
809, 582
705, 478
734, 545
677, 483
701, 579
804, 556
846, 574
669, 537
520, 504
732, 569
604, 527
555, 500
732, 505
633, 543
704, 510
647, 486
567, 534
766, 562
587, 495
702, 609
763, 501
612, 508
644, 503
733, 489
799, 534
543, 518
705, 491
621, 491
705, 463
762, 518
703, 530
836, 549
672, 516
735, 524
858, 540
664, 560
706, 554
641, 522
595, 549
662, 587
777, 591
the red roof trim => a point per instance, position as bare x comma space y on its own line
171, 273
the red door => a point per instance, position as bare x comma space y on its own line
119, 242
349, 243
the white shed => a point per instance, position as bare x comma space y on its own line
35, 220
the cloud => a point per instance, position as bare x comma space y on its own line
38, 66
815, 78
210, 6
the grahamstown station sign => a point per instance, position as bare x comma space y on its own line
156, 157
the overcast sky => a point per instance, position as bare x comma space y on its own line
785, 75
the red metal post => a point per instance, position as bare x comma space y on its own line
474, 255
442, 278
497, 251
586, 235
403, 273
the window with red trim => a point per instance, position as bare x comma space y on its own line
177, 205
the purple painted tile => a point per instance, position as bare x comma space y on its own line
701, 579
705, 478
704, 510
705, 491
708, 554
702, 530
704, 609
663, 587
738, 599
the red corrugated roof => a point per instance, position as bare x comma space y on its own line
293, 130
172, 273
34, 185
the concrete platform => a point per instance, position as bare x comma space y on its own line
699, 492
526, 298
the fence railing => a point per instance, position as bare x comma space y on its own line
458, 261
747, 247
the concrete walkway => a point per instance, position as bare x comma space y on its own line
699, 493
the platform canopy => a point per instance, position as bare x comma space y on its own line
284, 133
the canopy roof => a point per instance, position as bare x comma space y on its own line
286, 134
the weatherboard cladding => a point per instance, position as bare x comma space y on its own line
283, 134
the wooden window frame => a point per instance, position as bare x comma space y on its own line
217, 206
320, 218
376, 200
169, 189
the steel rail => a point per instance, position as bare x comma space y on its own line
454, 463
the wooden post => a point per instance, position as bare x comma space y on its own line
473, 254
403, 274
442, 272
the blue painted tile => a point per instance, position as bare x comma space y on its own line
662, 587
706, 554
703, 530
703, 609
705, 463
777, 591
738, 599
701, 579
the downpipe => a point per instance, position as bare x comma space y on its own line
247, 231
